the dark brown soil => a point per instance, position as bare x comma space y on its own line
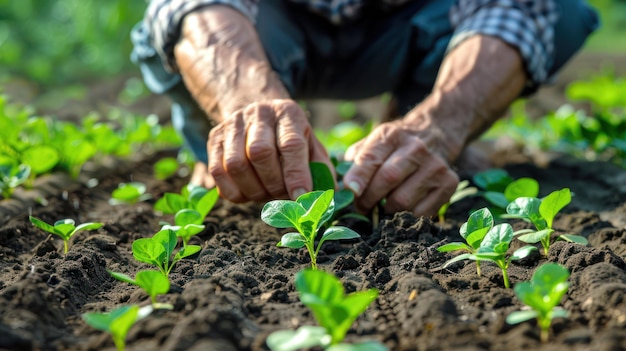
239, 288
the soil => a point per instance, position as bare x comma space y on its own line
239, 288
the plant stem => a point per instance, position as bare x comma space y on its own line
120, 343
65, 246
478, 267
505, 277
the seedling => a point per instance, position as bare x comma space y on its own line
541, 213
462, 191
65, 228
129, 193
118, 322
473, 231
334, 311
307, 215
323, 180
192, 197
543, 293
187, 223
11, 176
500, 189
152, 282
165, 168
493, 248
158, 250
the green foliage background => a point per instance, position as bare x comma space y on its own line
56, 42
64, 41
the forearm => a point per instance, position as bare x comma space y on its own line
222, 62
477, 82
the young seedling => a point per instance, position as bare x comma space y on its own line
65, 228
152, 282
323, 180
543, 293
462, 191
192, 197
187, 223
118, 322
158, 250
541, 213
493, 248
334, 311
129, 193
11, 176
500, 189
473, 231
307, 215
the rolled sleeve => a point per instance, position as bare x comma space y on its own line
163, 21
526, 25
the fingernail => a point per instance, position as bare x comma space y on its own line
297, 193
354, 186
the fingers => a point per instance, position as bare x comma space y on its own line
261, 150
292, 137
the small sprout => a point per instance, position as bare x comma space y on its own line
541, 213
129, 193
165, 168
187, 223
192, 197
473, 231
158, 250
462, 191
65, 228
152, 282
76, 152
307, 215
118, 322
494, 247
12, 176
334, 311
500, 189
543, 293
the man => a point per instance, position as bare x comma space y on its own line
453, 67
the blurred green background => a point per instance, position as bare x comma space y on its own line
60, 42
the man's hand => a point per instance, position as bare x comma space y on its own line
400, 163
406, 162
263, 151
262, 143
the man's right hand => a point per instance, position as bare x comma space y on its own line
262, 152
262, 143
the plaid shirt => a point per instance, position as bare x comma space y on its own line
525, 24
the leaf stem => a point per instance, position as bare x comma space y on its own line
65, 246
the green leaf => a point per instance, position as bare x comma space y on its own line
535, 237
187, 251
42, 225
282, 213
501, 233
517, 317
305, 337
87, 226
122, 277
578, 239
40, 158
319, 205
492, 180
553, 203
165, 168
476, 237
150, 251
338, 233
205, 203
187, 216
496, 198
453, 247
167, 239
466, 256
523, 187
153, 282
343, 167
522, 252
175, 202
343, 198
292, 241
322, 176
527, 208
